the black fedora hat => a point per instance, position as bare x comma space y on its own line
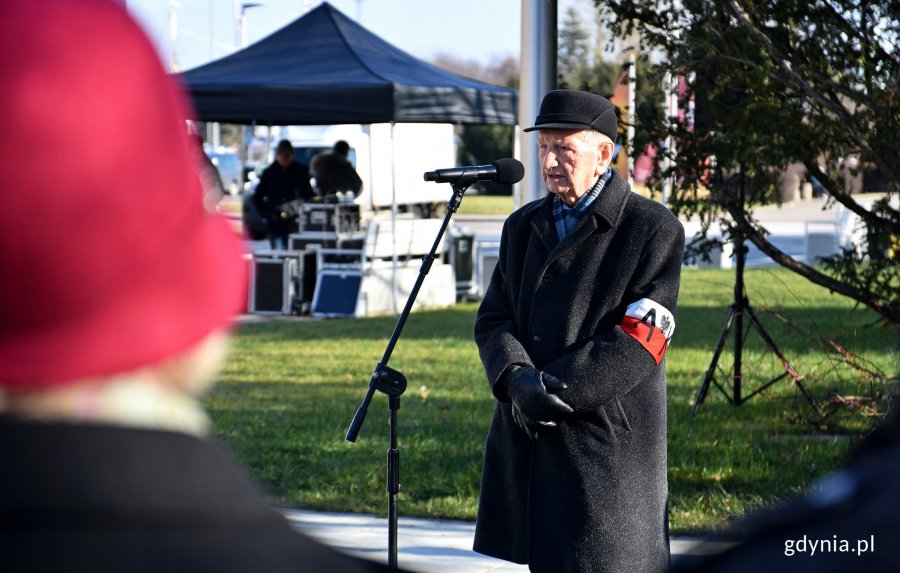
574, 109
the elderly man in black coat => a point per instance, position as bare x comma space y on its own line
572, 332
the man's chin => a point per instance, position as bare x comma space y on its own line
554, 188
559, 192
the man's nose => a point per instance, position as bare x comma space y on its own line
549, 161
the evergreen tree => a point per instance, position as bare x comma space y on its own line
776, 83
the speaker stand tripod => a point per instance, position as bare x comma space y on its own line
740, 307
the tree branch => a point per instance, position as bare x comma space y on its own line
872, 300
886, 225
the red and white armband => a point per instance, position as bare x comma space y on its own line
651, 324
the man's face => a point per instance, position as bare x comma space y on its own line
572, 161
284, 158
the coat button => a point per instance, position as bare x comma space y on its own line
536, 338
548, 278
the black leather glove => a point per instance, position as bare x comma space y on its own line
529, 427
532, 393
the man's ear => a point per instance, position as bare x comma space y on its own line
604, 157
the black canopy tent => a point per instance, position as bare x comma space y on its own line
324, 68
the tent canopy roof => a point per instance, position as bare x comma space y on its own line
324, 68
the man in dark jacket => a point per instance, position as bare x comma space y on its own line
334, 173
282, 186
572, 332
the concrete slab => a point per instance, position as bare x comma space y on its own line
427, 545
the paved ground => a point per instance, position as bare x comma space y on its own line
425, 545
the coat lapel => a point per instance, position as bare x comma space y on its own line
543, 224
582, 231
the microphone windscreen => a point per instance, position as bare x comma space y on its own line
509, 170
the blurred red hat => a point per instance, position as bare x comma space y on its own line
110, 262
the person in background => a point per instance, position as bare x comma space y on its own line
334, 173
283, 185
213, 190
115, 307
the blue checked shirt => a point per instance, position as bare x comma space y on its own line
566, 217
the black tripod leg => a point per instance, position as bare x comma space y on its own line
788, 367
710, 373
393, 484
764, 334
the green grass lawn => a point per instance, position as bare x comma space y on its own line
291, 388
486, 205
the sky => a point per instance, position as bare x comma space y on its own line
481, 30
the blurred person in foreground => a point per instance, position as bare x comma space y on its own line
114, 309
849, 520
283, 185
334, 173
572, 332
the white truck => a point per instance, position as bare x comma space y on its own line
390, 160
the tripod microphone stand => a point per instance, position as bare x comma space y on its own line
392, 382
735, 318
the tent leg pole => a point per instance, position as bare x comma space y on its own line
394, 209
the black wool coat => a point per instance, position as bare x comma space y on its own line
589, 494
79, 498
335, 174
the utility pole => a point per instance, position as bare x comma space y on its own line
538, 76
671, 107
242, 21
212, 29
174, 6
236, 13
632, 85
241, 41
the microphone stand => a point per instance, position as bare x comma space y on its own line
392, 382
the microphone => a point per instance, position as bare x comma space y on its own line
502, 171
